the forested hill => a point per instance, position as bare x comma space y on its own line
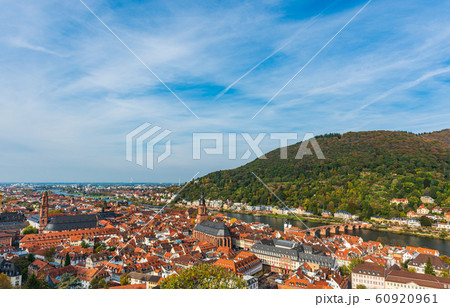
361, 173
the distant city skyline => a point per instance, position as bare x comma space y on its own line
71, 91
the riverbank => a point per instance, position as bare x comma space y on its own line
331, 221
385, 236
412, 232
323, 220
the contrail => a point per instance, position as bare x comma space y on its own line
312, 58
310, 23
406, 86
140, 60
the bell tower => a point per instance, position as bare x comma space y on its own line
43, 215
202, 214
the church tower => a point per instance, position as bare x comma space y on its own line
43, 215
202, 214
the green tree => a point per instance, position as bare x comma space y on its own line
443, 234
33, 283
69, 281
67, 260
445, 258
97, 283
31, 258
23, 263
5, 283
361, 287
29, 230
124, 279
425, 221
405, 264
354, 262
49, 253
204, 276
429, 269
84, 244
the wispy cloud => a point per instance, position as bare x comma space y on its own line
283, 45
407, 85
70, 91
18, 42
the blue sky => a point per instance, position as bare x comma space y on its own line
70, 91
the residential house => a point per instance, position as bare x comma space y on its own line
39, 268
427, 200
414, 223
419, 263
399, 201
422, 210
443, 226
343, 215
437, 210
11, 270
411, 214
95, 259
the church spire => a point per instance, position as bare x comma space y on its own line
43, 215
202, 199
201, 215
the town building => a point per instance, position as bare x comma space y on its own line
71, 222
422, 210
94, 260
414, 223
6, 239
244, 263
437, 210
11, 270
43, 215
427, 200
399, 201
251, 281
370, 275
343, 215
285, 256
202, 214
61, 222
440, 226
403, 279
215, 233
419, 262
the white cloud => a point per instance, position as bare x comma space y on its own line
70, 91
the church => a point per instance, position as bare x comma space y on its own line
215, 233
64, 222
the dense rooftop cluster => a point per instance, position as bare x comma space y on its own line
136, 245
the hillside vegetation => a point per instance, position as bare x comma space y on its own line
361, 173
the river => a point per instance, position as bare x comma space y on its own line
368, 235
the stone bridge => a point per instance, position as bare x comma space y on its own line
331, 229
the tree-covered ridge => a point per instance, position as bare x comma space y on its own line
362, 172
441, 136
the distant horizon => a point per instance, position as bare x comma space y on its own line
89, 182
182, 182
